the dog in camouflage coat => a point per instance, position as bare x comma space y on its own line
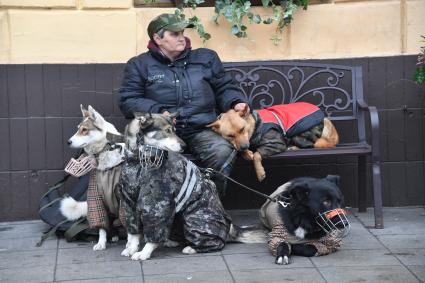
159, 187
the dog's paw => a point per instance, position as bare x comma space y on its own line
141, 256
282, 260
171, 244
129, 251
115, 239
189, 250
99, 247
261, 176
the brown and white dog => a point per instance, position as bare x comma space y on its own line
257, 136
102, 202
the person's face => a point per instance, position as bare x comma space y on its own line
173, 42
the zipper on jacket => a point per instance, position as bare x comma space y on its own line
178, 86
188, 83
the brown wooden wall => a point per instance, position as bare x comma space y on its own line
39, 111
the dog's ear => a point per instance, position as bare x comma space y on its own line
92, 114
244, 112
215, 126
174, 115
333, 179
300, 192
84, 111
145, 119
97, 119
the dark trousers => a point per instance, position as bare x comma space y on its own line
212, 151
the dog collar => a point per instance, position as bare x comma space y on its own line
256, 136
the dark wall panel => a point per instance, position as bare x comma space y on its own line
37, 145
40, 108
4, 145
16, 91
4, 99
19, 144
34, 90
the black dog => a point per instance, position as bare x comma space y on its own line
306, 220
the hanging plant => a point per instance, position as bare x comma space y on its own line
420, 70
239, 12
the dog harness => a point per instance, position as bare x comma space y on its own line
292, 119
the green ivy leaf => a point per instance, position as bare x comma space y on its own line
235, 30
268, 21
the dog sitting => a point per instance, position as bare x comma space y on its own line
275, 129
159, 187
102, 206
306, 219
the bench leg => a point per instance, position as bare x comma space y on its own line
377, 195
361, 185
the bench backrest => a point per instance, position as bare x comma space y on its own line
335, 89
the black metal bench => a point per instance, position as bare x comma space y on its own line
338, 91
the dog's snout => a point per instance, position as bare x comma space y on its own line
69, 142
244, 147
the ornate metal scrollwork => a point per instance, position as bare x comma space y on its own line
327, 87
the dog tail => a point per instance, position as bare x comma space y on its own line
247, 234
72, 209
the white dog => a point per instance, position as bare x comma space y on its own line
91, 135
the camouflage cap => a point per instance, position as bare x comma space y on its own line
168, 22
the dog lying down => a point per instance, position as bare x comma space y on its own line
307, 220
159, 187
275, 129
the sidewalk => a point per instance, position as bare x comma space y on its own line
394, 254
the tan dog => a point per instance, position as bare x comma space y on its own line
246, 132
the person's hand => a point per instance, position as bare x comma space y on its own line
166, 113
239, 107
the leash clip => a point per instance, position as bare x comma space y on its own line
284, 203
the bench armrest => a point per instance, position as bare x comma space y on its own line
374, 123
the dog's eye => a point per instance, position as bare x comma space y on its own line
168, 130
231, 136
241, 130
84, 130
327, 203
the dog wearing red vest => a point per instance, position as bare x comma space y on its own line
262, 133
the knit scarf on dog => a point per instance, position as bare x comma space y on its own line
280, 234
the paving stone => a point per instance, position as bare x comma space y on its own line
261, 261
238, 248
94, 270
402, 220
373, 274
410, 256
108, 280
204, 277
22, 229
360, 238
87, 254
26, 244
418, 271
33, 274
63, 244
394, 242
356, 258
279, 275
27, 258
186, 264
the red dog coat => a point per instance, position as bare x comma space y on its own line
293, 118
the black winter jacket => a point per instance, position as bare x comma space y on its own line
195, 85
